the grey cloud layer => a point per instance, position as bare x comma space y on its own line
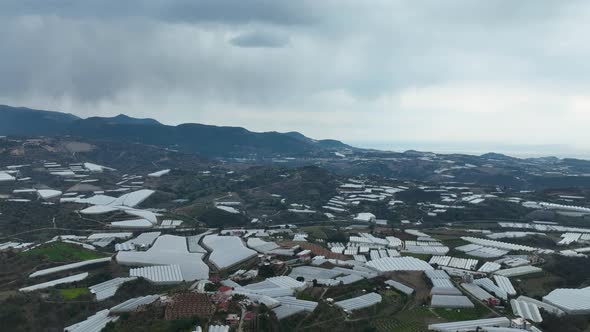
228, 11
314, 66
260, 39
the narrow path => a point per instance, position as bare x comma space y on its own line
242, 318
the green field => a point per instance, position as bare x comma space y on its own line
462, 314
60, 252
539, 284
73, 293
415, 320
395, 325
315, 231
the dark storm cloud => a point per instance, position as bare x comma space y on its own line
260, 39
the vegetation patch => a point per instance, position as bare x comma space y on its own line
315, 231
60, 252
214, 217
462, 314
538, 285
414, 320
349, 291
575, 271
73, 293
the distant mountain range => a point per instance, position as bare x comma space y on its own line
120, 133
207, 140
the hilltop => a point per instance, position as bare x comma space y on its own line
207, 140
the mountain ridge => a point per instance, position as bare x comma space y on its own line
207, 140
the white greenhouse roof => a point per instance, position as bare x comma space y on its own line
285, 311
312, 272
469, 325
489, 285
132, 224
293, 301
459, 263
6, 177
120, 235
546, 306
94, 323
572, 301
98, 200
124, 247
488, 267
427, 250
450, 301
193, 243
364, 217
505, 284
160, 274
400, 287
399, 264
360, 302
48, 193
270, 292
477, 291
264, 299
227, 250
148, 215
445, 290
347, 280
96, 168
69, 267
159, 173
106, 289
99, 209
52, 283
276, 282
228, 209
134, 303
526, 310
170, 223
169, 250
498, 244
271, 287
218, 328
437, 274
518, 271
144, 239
103, 242
445, 283
261, 245
132, 199
416, 233
394, 242
300, 237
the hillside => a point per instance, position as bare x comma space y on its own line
207, 140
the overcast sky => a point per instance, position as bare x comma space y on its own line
499, 72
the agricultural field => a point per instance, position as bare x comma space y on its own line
415, 320
63, 252
73, 293
538, 285
462, 314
